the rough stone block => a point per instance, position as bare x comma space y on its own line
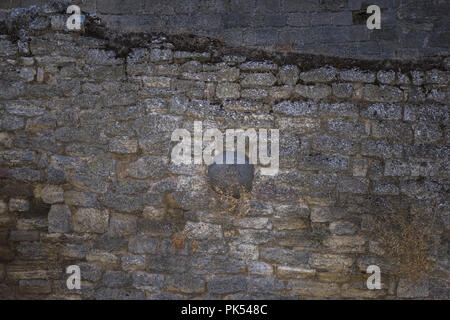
21, 205
342, 90
324, 74
185, 284
228, 90
226, 285
59, 219
91, 220
288, 75
52, 194
382, 93
314, 92
356, 75
258, 80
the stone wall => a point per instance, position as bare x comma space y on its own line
86, 177
410, 28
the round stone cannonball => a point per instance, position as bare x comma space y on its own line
231, 178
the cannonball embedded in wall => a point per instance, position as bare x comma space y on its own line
231, 178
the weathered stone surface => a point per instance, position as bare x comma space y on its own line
21, 235
310, 288
381, 148
259, 268
386, 77
20, 205
119, 294
325, 162
225, 285
35, 286
408, 289
185, 284
428, 133
258, 66
122, 225
86, 176
78, 198
342, 90
202, 230
116, 279
228, 90
315, 92
331, 262
142, 244
382, 111
360, 167
295, 108
324, 74
284, 256
382, 93
52, 194
288, 74
148, 168
258, 79
59, 219
147, 281
123, 145
356, 75
91, 220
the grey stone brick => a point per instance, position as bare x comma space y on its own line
324, 74
119, 294
428, 113
316, 92
342, 90
382, 93
408, 289
295, 108
288, 74
356, 75
259, 268
382, 111
59, 219
392, 131
185, 284
381, 148
427, 132
386, 187
386, 77
149, 167
258, 79
225, 285
228, 90
264, 285
284, 256
436, 76
354, 129
396, 168
167, 264
325, 162
147, 281
91, 220
259, 66
353, 185
142, 244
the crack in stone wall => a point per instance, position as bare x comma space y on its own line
86, 176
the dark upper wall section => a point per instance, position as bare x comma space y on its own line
411, 29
